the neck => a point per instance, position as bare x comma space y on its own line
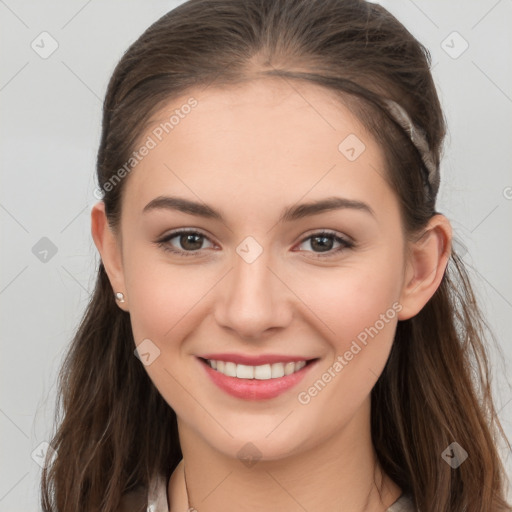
341, 473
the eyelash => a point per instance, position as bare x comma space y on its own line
344, 243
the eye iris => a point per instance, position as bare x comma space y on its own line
325, 244
191, 238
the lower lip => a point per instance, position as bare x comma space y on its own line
255, 389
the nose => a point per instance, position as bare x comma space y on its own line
253, 299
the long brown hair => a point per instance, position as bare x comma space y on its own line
115, 432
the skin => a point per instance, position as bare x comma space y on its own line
248, 152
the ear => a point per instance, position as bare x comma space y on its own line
426, 262
109, 247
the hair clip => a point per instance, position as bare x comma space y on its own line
419, 140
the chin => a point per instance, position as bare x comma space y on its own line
259, 442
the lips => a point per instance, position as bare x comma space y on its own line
255, 378
254, 360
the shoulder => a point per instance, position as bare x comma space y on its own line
402, 504
142, 499
135, 500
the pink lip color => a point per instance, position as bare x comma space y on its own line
254, 389
254, 360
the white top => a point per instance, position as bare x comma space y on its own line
157, 500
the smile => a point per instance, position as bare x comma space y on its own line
256, 382
261, 372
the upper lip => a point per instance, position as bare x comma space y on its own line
255, 360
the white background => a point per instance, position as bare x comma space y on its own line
50, 129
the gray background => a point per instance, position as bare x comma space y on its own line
50, 131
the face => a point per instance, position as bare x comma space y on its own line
254, 275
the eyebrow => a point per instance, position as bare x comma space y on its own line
289, 214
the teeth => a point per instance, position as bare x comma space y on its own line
262, 372
244, 372
289, 368
230, 369
277, 370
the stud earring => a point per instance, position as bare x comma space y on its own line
120, 296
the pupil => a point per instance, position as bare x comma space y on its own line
323, 246
187, 239
193, 242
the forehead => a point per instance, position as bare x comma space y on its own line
269, 105
272, 138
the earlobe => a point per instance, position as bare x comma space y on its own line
426, 264
109, 248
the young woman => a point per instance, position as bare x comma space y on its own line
279, 320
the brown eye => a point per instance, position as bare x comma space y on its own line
186, 243
322, 243
190, 241
325, 242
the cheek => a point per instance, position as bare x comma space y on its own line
162, 296
357, 312
349, 300
166, 303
